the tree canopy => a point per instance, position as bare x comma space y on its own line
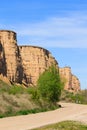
50, 85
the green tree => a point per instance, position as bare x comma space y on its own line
50, 85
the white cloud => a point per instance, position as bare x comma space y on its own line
70, 31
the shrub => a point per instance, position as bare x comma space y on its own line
16, 89
80, 97
50, 85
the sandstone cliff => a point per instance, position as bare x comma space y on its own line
8, 54
35, 60
72, 83
24, 64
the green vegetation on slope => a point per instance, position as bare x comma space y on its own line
65, 125
80, 97
17, 100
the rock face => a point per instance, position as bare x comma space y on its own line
24, 64
75, 83
72, 83
8, 54
35, 60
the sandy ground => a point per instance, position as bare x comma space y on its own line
69, 111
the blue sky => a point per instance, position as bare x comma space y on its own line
57, 25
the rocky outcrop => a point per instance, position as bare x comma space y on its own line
24, 64
9, 54
35, 60
75, 84
5, 79
72, 83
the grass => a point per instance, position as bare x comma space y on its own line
80, 97
11, 112
17, 100
65, 125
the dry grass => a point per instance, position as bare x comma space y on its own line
65, 125
16, 102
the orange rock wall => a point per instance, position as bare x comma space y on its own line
72, 83
8, 54
24, 64
35, 60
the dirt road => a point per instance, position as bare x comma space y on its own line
68, 111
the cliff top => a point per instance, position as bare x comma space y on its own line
34, 47
7, 31
66, 67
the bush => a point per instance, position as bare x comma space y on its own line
33, 92
16, 89
80, 97
50, 85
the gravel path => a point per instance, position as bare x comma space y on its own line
69, 111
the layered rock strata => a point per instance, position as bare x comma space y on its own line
24, 64
72, 83
9, 54
35, 60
